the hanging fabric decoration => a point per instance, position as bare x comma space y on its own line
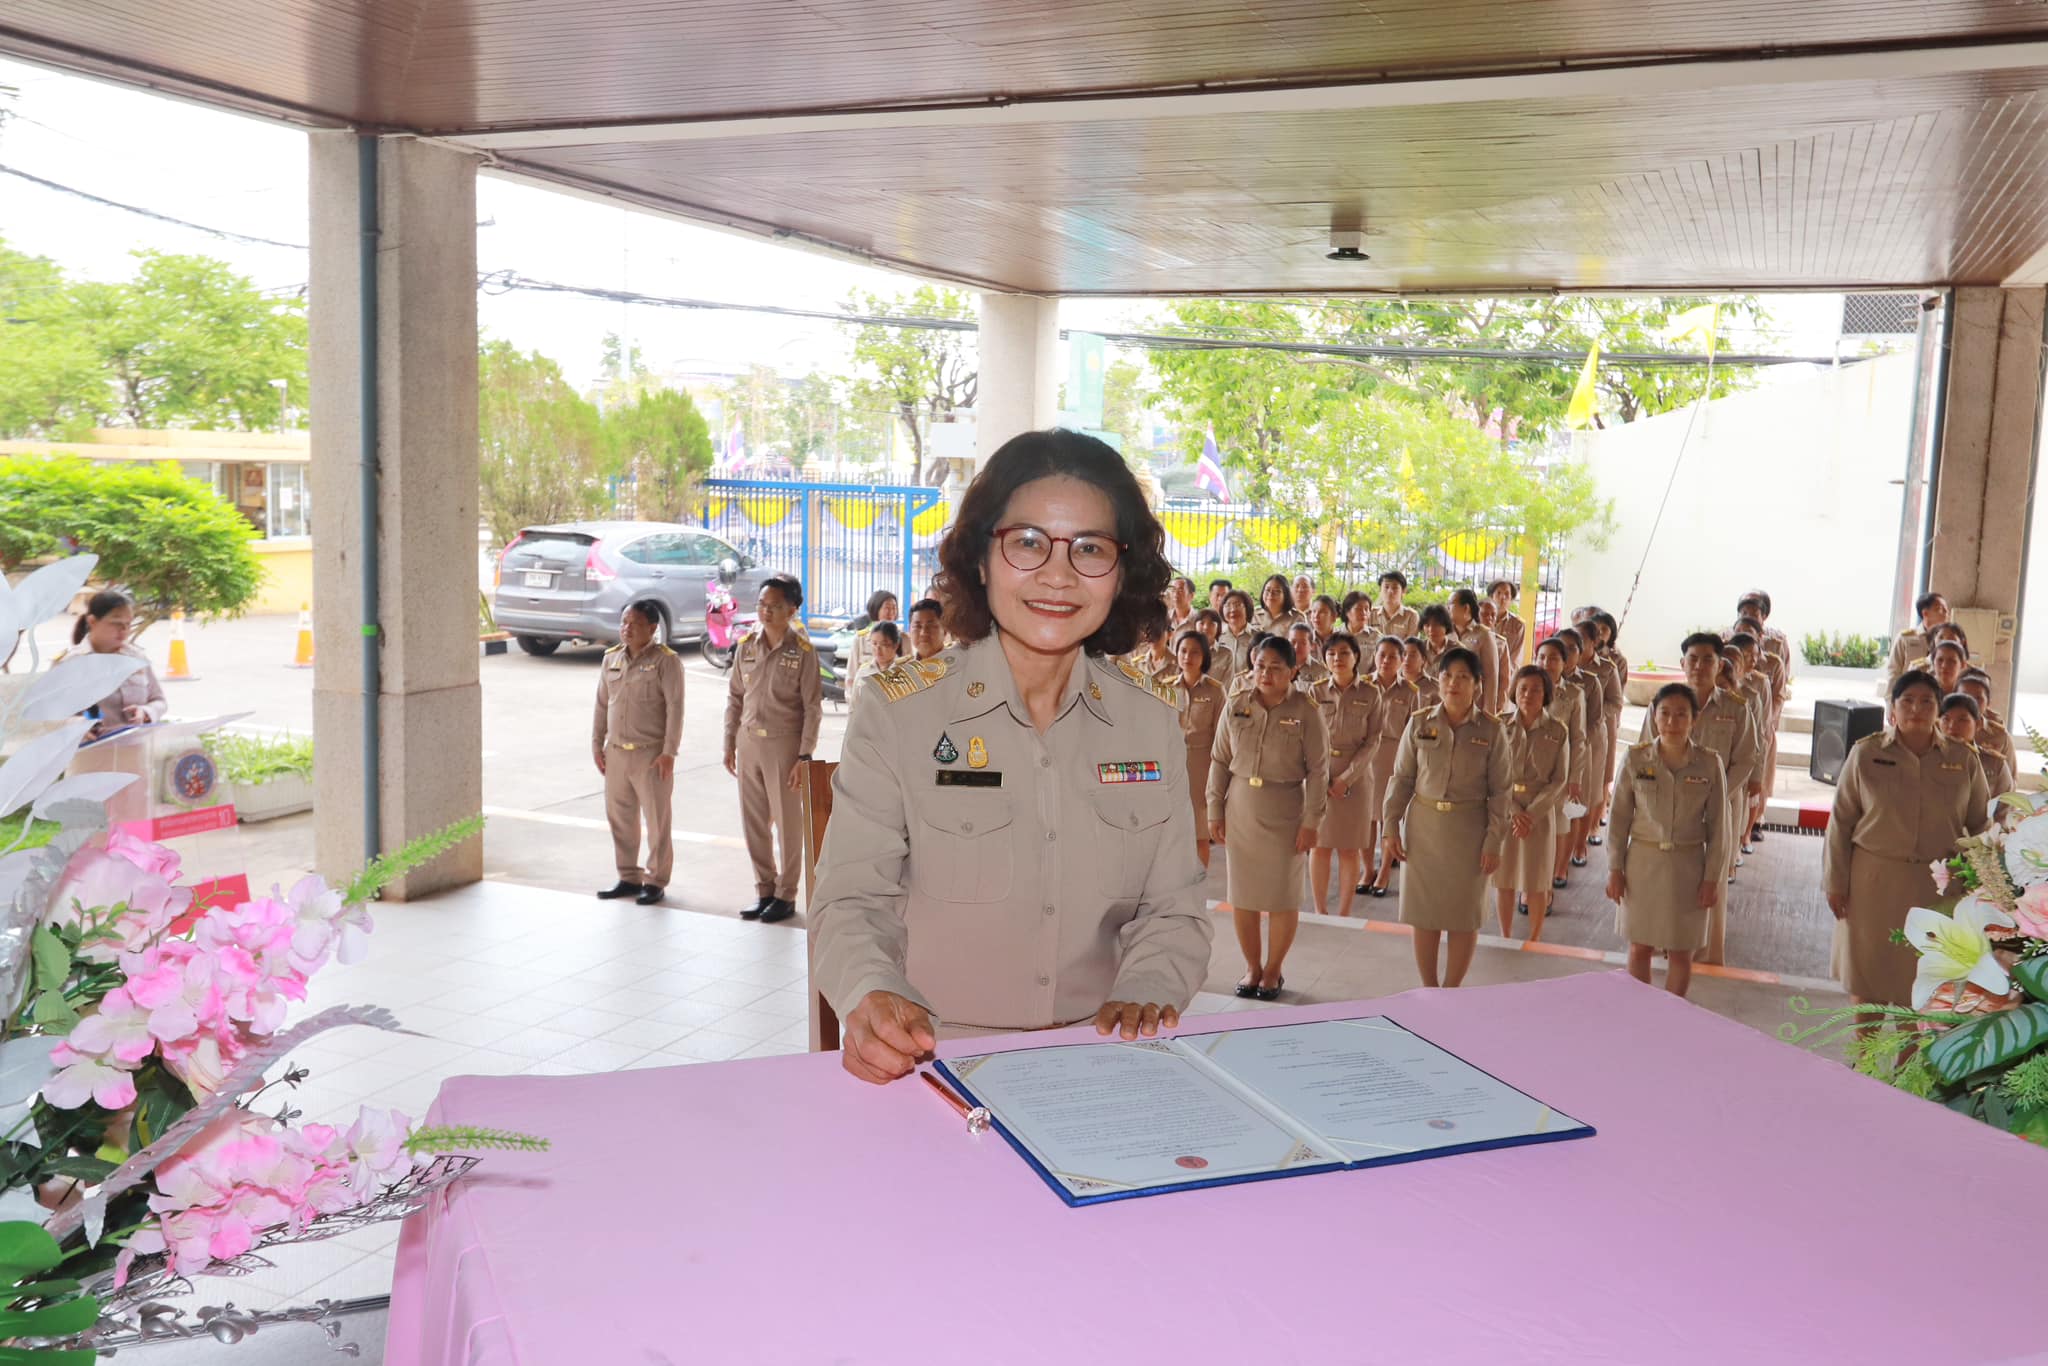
855, 514
1272, 534
932, 520
766, 512
1472, 547
1192, 529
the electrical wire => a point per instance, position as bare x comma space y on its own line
150, 213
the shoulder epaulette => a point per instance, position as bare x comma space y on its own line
1138, 678
908, 676
1876, 735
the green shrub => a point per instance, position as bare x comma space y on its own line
1845, 652
10, 831
253, 759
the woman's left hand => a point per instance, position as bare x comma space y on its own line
137, 715
1489, 864
1133, 1019
1521, 823
1304, 840
1340, 789
796, 776
1708, 890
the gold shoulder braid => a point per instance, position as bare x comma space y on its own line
899, 681
1138, 678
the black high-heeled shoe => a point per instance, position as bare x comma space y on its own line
1578, 862
1272, 993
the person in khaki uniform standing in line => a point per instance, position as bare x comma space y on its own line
1351, 706
1451, 786
1993, 733
1009, 845
1671, 837
1905, 796
1507, 620
1268, 786
1540, 771
1578, 657
634, 736
772, 708
1568, 706
1201, 712
1916, 641
1962, 719
1388, 616
1309, 671
1725, 727
1398, 699
1466, 631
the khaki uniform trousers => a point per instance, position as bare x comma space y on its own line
769, 810
633, 791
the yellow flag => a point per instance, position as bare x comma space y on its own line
1699, 326
1585, 398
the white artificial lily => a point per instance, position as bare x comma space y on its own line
1956, 948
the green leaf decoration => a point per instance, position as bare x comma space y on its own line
386, 868
1995, 1039
25, 1246
57, 1321
455, 1138
52, 960
53, 1013
30, 1356
2032, 975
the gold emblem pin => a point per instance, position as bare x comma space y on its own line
1094, 692
976, 689
977, 753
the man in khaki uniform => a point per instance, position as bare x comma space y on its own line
633, 737
999, 877
1725, 726
1388, 616
772, 708
927, 634
1915, 641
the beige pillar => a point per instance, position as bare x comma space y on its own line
1018, 388
1985, 486
430, 703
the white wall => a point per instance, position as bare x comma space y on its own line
1791, 487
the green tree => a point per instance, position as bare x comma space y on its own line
189, 343
664, 441
1123, 403
755, 400
168, 539
917, 373
809, 417
51, 380
541, 446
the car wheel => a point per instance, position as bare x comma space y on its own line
538, 645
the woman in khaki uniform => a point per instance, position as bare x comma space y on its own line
1670, 839
1310, 671
1906, 795
1961, 719
1503, 662
1415, 670
1568, 705
1451, 786
1466, 631
1399, 699
1586, 824
1268, 783
1351, 708
1276, 606
1436, 633
1201, 710
1507, 621
1540, 769
1993, 733
1914, 642
1602, 665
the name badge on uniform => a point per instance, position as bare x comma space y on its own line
969, 777
1481, 741
1425, 735
1290, 720
1129, 771
1700, 781
1649, 773
1241, 715
1951, 768
1888, 763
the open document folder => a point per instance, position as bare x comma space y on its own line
1114, 1120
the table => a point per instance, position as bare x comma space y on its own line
1744, 1200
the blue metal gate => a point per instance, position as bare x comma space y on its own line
843, 541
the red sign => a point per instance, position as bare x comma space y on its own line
214, 891
182, 823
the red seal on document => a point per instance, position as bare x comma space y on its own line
1442, 1124
1193, 1164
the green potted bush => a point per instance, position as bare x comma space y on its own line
264, 776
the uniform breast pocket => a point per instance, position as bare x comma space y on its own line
960, 848
1127, 830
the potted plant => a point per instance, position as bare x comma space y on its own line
264, 776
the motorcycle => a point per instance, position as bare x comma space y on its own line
723, 624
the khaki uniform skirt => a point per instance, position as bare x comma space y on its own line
1881, 891
1198, 787
1662, 908
1347, 820
1441, 885
1264, 870
1525, 863
1380, 773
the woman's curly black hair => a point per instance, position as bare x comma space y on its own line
1142, 569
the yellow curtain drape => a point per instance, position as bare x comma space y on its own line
932, 520
766, 512
1193, 529
1472, 547
855, 514
1272, 534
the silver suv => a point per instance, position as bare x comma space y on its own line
568, 583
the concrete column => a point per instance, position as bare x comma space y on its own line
1019, 386
429, 703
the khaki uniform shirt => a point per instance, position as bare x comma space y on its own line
1404, 623
1772, 670
1612, 699
1656, 803
1539, 763
1283, 745
639, 701
1727, 726
1568, 705
1439, 762
1426, 691
774, 692
1514, 631
1398, 701
1486, 645
1997, 774
1237, 648
1994, 735
1262, 620
1900, 806
1309, 673
1351, 723
1907, 646
1028, 878
1758, 689
1201, 710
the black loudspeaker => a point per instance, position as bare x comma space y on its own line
1837, 726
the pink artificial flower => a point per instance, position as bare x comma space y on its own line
1941, 876
2030, 913
83, 1078
97, 881
155, 859
176, 983
324, 926
118, 1028
201, 1063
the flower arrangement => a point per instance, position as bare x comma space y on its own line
136, 1029
1975, 1037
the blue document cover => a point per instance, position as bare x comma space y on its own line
1116, 1120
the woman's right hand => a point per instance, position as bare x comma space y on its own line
1838, 902
1216, 831
886, 1036
1395, 850
1617, 885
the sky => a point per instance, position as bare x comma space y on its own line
249, 176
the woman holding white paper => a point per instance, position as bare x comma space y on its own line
103, 628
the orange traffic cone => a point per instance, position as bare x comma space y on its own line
180, 670
303, 658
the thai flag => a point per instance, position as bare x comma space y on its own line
1209, 471
735, 453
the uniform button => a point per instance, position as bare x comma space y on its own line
1047, 909
1044, 980
1134, 821
1045, 763
1052, 835
967, 827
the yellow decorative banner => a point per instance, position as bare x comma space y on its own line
932, 520
1473, 547
1373, 538
855, 514
1193, 529
766, 512
714, 507
1272, 534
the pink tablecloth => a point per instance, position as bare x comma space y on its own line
1743, 1201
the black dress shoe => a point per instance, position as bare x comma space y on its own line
649, 895
1558, 884
1363, 889
1272, 993
1379, 891
1596, 839
1521, 908
619, 889
1578, 862
755, 911
777, 910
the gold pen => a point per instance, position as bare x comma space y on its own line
977, 1117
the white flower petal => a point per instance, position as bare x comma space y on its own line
1991, 975
1979, 912
1925, 981
1922, 923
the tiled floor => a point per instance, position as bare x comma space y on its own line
505, 978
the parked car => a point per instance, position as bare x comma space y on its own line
567, 584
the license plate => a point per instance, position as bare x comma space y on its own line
537, 578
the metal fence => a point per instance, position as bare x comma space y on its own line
843, 541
